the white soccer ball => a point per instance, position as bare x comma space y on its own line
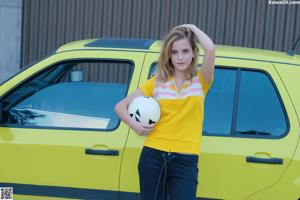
145, 110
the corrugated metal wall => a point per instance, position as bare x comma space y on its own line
47, 24
10, 37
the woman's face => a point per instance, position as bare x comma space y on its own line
181, 54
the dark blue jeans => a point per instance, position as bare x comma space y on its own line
167, 176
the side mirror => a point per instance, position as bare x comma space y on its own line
76, 76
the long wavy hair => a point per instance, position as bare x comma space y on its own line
165, 68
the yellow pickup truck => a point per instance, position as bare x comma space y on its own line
61, 139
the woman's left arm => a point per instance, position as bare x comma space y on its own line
208, 64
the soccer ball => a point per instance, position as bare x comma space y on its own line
145, 110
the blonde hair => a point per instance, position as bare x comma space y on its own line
165, 68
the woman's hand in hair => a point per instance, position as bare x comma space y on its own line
192, 27
189, 26
204, 40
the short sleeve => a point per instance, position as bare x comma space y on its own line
147, 87
206, 86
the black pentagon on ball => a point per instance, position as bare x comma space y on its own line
151, 122
138, 112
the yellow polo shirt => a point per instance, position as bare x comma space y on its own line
180, 126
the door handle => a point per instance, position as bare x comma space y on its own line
102, 152
276, 161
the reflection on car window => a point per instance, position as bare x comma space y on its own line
259, 109
219, 103
78, 94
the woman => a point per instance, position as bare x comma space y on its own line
168, 164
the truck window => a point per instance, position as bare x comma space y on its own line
73, 94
